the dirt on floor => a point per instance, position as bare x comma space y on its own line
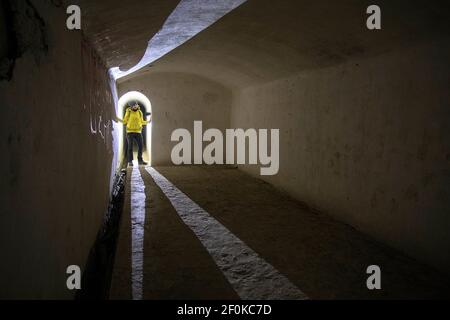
325, 258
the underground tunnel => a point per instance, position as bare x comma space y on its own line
292, 150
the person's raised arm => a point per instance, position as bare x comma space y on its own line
145, 122
125, 119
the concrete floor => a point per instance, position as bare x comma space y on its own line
324, 258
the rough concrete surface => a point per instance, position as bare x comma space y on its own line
250, 275
363, 116
176, 266
120, 31
324, 258
56, 160
263, 40
364, 133
367, 142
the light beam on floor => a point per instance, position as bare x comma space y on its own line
250, 275
138, 200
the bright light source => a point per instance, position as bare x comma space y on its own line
134, 96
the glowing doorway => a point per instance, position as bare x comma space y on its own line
143, 101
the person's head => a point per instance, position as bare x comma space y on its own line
134, 106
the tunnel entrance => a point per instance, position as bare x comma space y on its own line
146, 108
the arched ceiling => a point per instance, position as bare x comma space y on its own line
128, 35
120, 30
262, 39
265, 39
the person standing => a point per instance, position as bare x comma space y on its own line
134, 121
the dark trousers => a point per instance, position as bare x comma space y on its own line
131, 136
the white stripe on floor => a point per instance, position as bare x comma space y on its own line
250, 275
137, 232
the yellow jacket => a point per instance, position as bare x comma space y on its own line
134, 120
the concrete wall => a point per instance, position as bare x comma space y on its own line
56, 156
178, 100
367, 141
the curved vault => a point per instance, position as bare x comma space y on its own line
264, 40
